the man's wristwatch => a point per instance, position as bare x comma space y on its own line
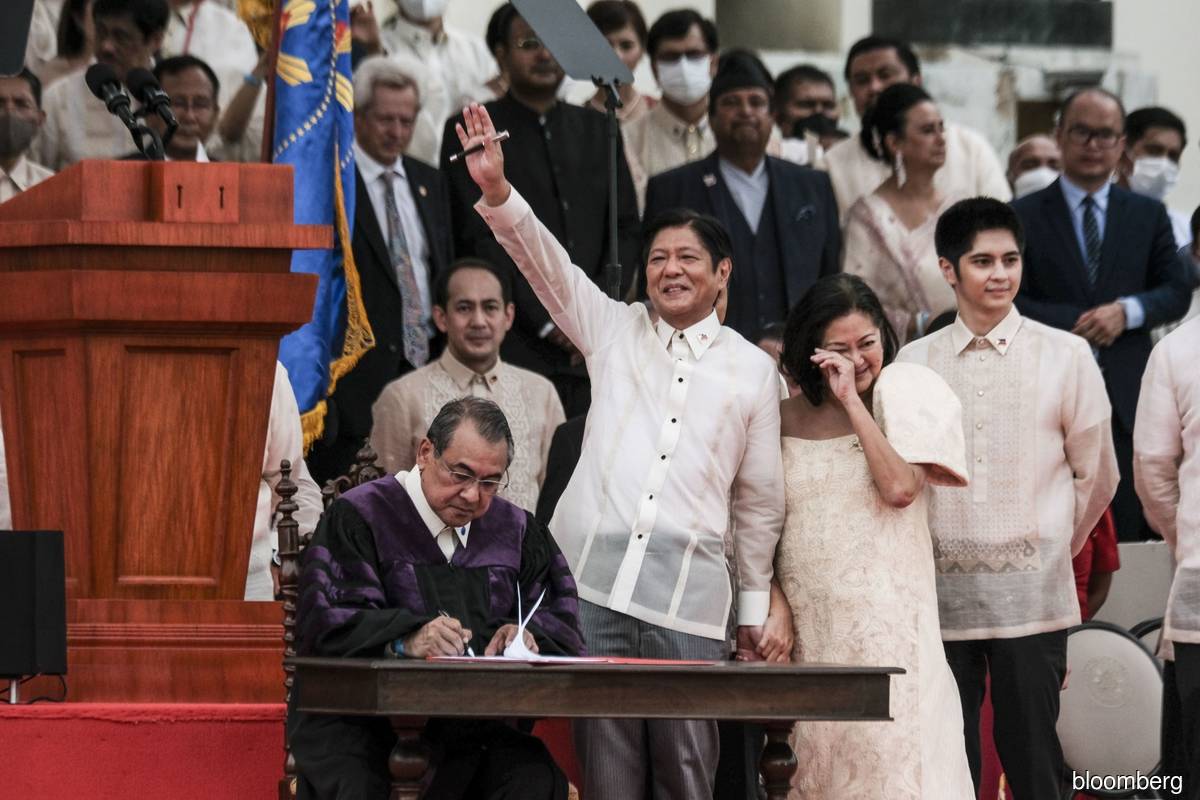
395, 649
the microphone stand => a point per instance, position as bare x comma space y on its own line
153, 148
612, 101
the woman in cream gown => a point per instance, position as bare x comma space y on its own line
888, 234
855, 560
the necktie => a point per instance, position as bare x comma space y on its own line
1091, 238
416, 338
448, 542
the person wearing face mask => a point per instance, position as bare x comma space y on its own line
1034, 164
459, 66
1101, 262
1155, 139
21, 116
682, 46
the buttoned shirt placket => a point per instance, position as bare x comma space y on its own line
647, 512
980, 350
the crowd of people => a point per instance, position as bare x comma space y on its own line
960, 411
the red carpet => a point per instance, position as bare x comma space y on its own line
103, 750
149, 750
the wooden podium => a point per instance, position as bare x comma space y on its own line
142, 307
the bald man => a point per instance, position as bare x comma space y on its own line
1033, 164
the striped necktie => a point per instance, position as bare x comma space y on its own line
1091, 238
416, 337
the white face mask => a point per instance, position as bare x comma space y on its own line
685, 81
424, 10
1034, 180
1154, 177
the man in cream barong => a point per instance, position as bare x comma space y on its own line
682, 438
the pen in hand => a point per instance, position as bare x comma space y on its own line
478, 147
468, 651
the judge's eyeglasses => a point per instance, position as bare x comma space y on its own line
463, 480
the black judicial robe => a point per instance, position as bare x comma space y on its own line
373, 574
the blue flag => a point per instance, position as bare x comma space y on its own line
314, 132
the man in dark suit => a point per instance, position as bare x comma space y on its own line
782, 218
401, 241
556, 160
1101, 262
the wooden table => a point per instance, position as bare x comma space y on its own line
409, 692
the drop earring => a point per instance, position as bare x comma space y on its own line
898, 168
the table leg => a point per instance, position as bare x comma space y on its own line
409, 760
778, 762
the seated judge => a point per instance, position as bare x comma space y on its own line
427, 563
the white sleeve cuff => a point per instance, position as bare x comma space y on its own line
752, 607
1135, 313
505, 215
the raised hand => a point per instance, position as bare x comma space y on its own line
487, 166
364, 27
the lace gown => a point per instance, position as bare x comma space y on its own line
899, 264
859, 577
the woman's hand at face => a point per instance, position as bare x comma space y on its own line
839, 375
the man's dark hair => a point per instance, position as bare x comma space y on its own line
1140, 121
1075, 95
487, 417
35, 85
441, 291
70, 37
150, 16
500, 25
711, 232
803, 73
177, 64
829, 299
675, 25
888, 115
869, 44
611, 16
960, 224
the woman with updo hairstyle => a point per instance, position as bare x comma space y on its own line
889, 234
855, 561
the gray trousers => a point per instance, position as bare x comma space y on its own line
620, 758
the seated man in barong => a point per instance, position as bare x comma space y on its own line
427, 563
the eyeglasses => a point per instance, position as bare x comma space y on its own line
530, 44
487, 488
1083, 135
200, 104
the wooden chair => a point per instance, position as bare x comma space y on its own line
364, 469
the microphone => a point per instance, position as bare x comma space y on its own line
103, 81
144, 86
